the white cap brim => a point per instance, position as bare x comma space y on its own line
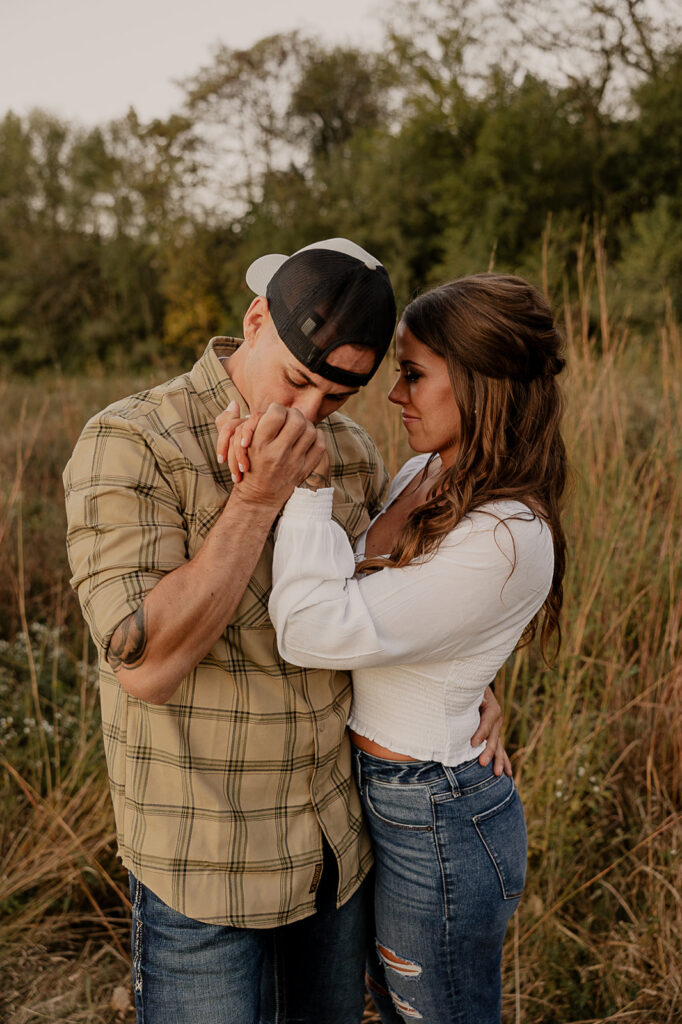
263, 269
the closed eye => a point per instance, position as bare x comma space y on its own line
295, 383
331, 396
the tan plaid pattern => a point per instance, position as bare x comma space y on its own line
220, 794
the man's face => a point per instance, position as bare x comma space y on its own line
265, 371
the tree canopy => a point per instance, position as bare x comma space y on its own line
476, 126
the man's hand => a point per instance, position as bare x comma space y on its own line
489, 729
283, 449
235, 435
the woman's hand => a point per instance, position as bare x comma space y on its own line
232, 425
489, 729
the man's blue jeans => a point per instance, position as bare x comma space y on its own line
450, 860
311, 971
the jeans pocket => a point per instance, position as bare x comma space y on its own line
502, 830
404, 807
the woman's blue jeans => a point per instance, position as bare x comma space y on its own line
311, 971
450, 852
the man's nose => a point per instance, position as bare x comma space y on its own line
310, 404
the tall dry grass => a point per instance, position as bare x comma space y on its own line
597, 739
599, 934
62, 894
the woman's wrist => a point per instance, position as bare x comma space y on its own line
309, 503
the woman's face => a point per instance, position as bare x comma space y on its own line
429, 411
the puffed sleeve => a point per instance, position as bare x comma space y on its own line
443, 607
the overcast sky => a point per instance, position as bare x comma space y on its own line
89, 60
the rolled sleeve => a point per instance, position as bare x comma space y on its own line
125, 527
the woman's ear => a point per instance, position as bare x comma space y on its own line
255, 318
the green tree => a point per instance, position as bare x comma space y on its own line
82, 219
657, 135
340, 92
530, 158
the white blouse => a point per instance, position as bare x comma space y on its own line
424, 640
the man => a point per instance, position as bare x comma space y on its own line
229, 769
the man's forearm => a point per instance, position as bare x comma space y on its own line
178, 622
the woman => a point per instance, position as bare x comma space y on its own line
463, 562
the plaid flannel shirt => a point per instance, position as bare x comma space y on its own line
221, 795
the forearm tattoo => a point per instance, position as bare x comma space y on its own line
315, 481
128, 645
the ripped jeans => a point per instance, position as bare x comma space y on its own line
450, 851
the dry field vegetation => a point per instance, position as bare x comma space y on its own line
596, 741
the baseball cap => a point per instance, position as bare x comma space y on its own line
328, 294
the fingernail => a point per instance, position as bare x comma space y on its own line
221, 458
233, 406
241, 468
234, 478
243, 442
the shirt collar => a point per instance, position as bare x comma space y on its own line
210, 379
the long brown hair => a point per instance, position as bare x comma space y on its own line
502, 350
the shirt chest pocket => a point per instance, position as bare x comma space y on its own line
252, 610
352, 517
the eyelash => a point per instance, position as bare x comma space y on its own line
409, 376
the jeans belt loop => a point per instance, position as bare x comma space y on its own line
452, 779
357, 766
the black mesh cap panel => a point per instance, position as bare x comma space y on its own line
320, 299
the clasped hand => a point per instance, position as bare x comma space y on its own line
270, 453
